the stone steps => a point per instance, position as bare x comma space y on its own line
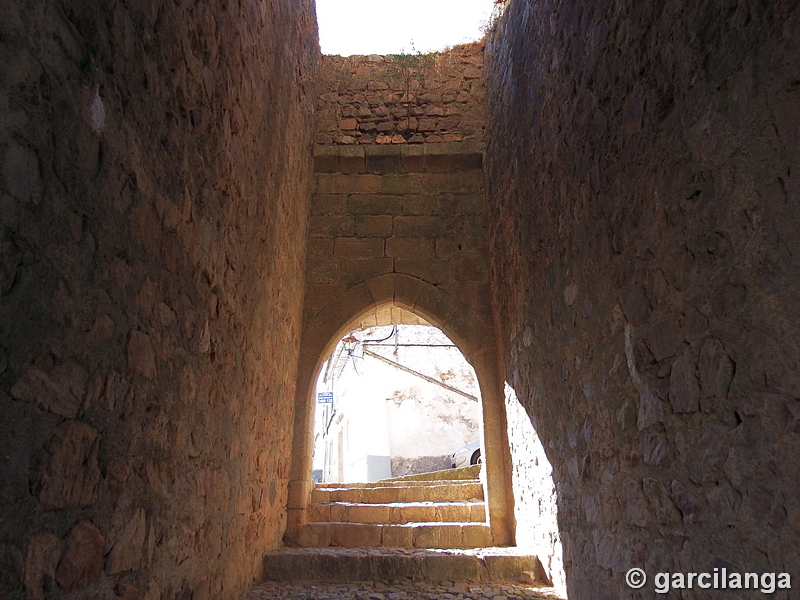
431, 491
401, 513
485, 565
398, 512
407, 535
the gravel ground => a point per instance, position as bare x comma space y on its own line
397, 591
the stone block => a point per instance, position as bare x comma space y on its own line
396, 536
352, 164
425, 204
82, 562
383, 163
373, 205
338, 511
406, 183
373, 225
466, 181
355, 535
467, 204
354, 270
663, 339
459, 512
326, 164
470, 268
315, 535
319, 513
320, 247
329, 204
358, 248
65, 472
331, 225
323, 271
141, 354
341, 183
21, 173
442, 567
418, 513
61, 392
367, 513
41, 560
438, 536
434, 272
418, 226
320, 496
477, 512
476, 536
415, 247
127, 553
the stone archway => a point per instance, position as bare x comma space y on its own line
458, 320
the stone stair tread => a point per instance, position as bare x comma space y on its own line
393, 484
406, 504
480, 564
412, 524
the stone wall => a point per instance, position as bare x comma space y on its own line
154, 186
535, 502
411, 209
397, 99
644, 209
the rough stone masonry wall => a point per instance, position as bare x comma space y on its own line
416, 210
155, 170
398, 99
644, 206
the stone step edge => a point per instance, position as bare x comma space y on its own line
395, 484
367, 565
412, 525
471, 472
421, 503
420, 535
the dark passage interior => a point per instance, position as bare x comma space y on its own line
598, 204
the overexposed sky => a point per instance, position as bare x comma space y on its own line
390, 27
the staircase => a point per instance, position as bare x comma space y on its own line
444, 509
422, 528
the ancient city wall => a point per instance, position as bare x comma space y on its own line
643, 205
155, 175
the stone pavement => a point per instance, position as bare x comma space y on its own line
397, 591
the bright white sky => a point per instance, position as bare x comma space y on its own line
389, 27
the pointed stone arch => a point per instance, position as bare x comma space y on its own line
465, 322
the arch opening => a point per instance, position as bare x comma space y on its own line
394, 400
460, 321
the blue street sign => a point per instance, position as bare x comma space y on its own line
325, 398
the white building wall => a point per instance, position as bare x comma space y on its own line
394, 422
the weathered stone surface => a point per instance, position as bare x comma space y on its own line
21, 173
10, 568
342, 107
636, 306
141, 354
628, 162
716, 370
663, 339
82, 562
118, 394
61, 392
144, 194
684, 390
127, 552
41, 559
65, 471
